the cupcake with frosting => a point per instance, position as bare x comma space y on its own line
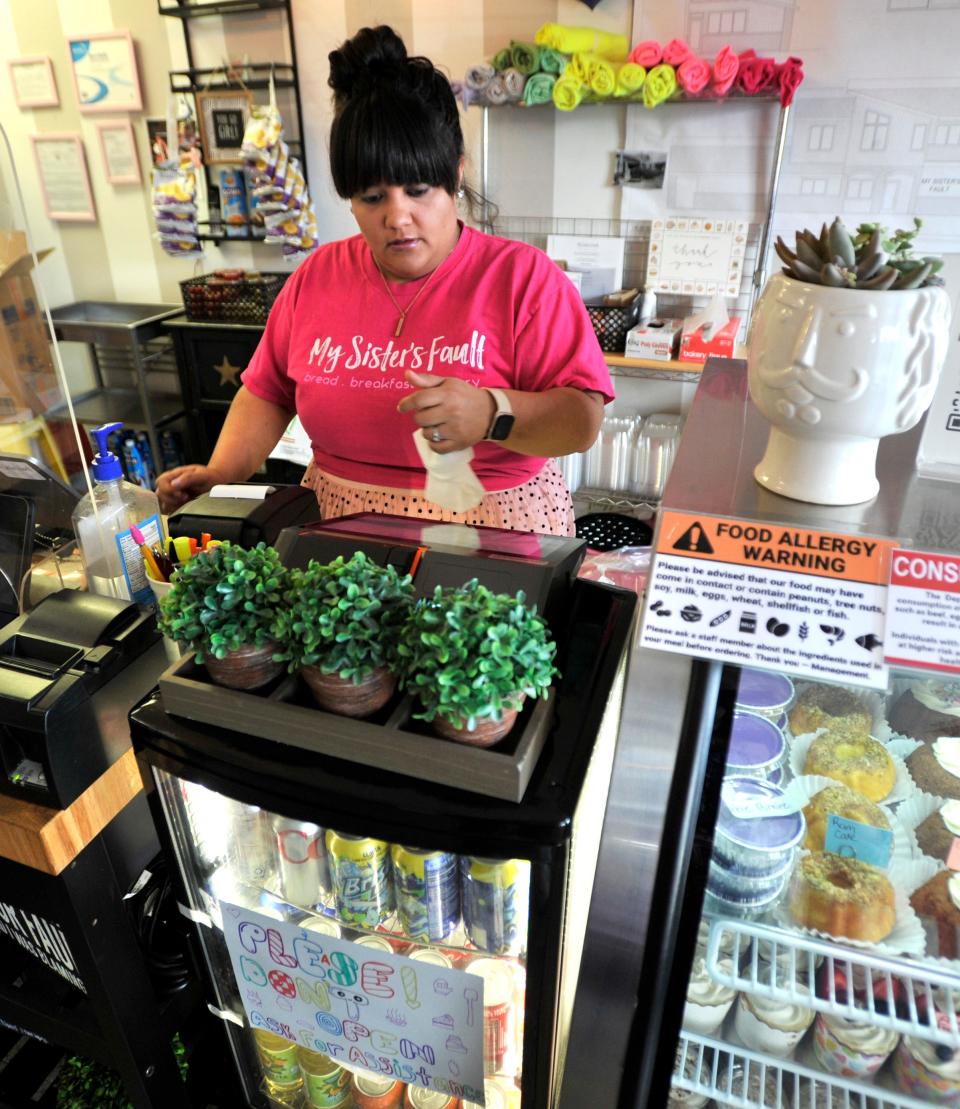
936, 834
937, 904
772, 1026
708, 1002
928, 1071
935, 767
851, 1048
928, 709
791, 963
687, 1099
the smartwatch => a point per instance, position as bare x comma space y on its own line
503, 417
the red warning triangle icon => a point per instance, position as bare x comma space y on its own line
694, 539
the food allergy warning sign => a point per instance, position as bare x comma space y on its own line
806, 602
923, 611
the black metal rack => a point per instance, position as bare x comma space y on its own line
254, 76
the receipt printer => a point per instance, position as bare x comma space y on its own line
245, 513
69, 672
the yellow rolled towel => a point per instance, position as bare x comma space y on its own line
567, 93
630, 78
601, 76
660, 85
587, 40
579, 68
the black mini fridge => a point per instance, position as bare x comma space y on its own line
303, 869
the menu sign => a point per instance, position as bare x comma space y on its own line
366, 1009
804, 602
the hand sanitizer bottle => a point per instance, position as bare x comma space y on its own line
102, 522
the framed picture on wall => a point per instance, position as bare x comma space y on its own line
119, 152
223, 119
64, 181
34, 85
104, 69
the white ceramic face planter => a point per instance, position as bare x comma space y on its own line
835, 370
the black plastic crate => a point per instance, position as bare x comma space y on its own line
611, 322
245, 300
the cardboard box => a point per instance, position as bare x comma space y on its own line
656, 339
28, 381
696, 346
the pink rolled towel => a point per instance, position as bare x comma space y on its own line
648, 54
726, 65
693, 75
676, 52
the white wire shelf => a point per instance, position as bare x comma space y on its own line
916, 989
746, 1079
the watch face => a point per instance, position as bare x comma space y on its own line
502, 426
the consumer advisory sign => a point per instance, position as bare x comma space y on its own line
809, 603
923, 611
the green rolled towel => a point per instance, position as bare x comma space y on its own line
538, 89
526, 57
502, 59
552, 61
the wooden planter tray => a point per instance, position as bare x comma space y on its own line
392, 740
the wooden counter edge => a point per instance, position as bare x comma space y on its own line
49, 839
673, 366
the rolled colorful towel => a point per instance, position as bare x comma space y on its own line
630, 78
513, 82
660, 85
567, 93
579, 68
648, 54
788, 77
552, 61
602, 77
676, 52
502, 59
726, 65
525, 57
588, 40
538, 89
495, 94
756, 74
693, 76
479, 76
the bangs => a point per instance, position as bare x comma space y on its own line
392, 139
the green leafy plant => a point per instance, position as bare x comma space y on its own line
872, 259
344, 617
84, 1084
225, 598
470, 653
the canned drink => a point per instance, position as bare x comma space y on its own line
497, 1094
428, 892
419, 1098
303, 861
498, 990
325, 925
378, 943
373, 1092
493, 903
252, 851
361, 878
432, 956
325, 1083
278, 1057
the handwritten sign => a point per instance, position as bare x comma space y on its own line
858, 841
366, 1009
701, 256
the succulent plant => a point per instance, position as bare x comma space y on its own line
344, 616
871, 259
469, 653
225, 598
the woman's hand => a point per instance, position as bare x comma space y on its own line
185, 483
460, 413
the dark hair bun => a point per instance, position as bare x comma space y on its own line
373, 54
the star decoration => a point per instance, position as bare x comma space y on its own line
228, 372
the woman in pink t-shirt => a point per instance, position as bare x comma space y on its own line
418, 322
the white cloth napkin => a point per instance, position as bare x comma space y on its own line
450, 481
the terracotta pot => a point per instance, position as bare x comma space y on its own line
485, 734
331, 692
248, 667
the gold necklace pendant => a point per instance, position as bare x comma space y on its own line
400, 323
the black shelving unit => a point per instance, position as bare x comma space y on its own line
256, 76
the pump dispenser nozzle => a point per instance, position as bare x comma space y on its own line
106, 466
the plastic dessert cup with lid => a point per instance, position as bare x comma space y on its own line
765, 692
772, 1026
757, 747
757, 845
928, 1071
742, 909
708, 1001
854, 1049
734, 885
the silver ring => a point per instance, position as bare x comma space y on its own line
435, 436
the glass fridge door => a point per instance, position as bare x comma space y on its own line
827, 964
440, 911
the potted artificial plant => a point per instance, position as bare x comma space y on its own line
471, 656
340, 631
224, 606
846, 346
